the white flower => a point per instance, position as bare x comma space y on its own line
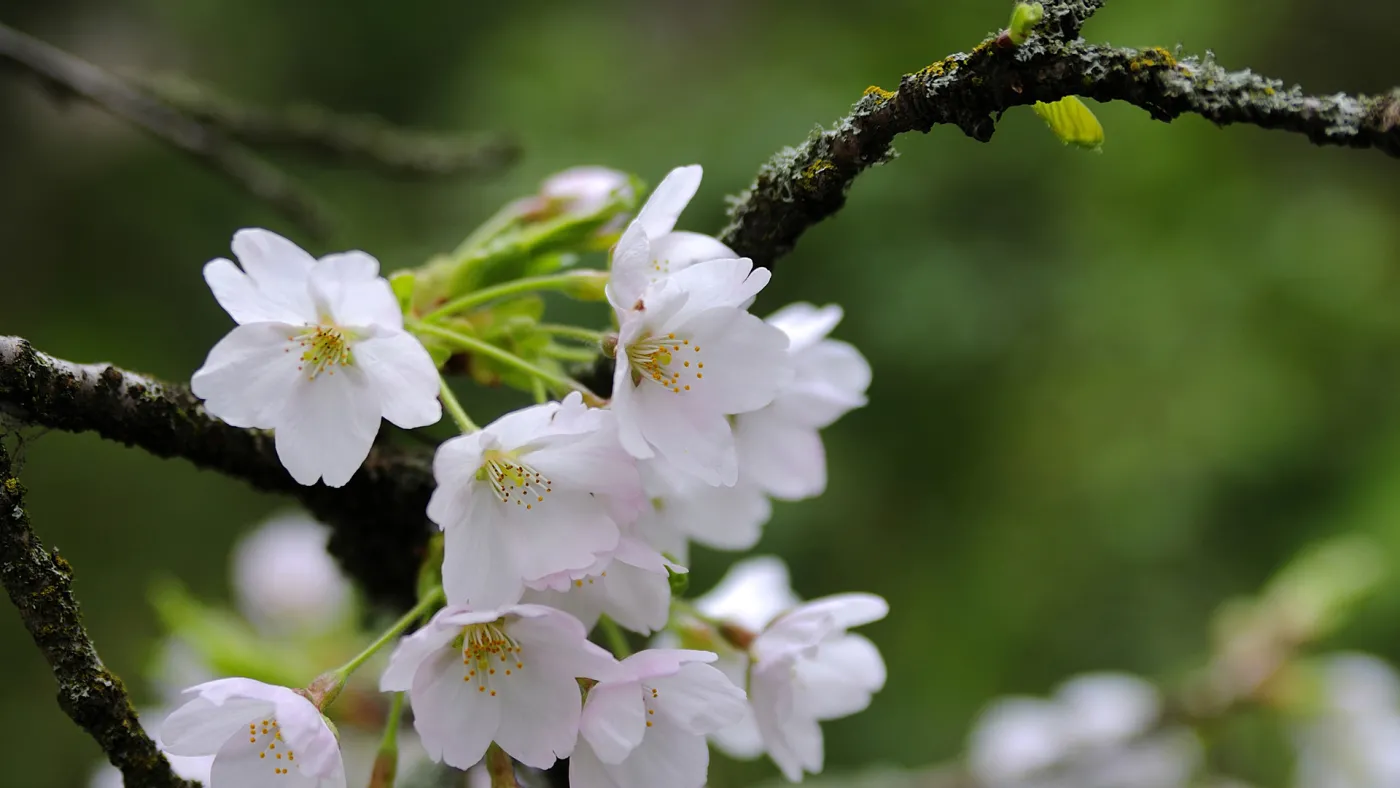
259, 735
631, 585
779, 448
688, 355
1354, 740
645, 726
807, 668
499, 675
285, 580
319, 355
1096, 732
538, 491
685, 508
585, 190
651, 249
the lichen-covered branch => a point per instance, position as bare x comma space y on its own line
357, 139
802, 186
70, 76
378, 520
39, 583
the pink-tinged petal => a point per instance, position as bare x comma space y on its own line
275, 263
631, 261
655, 663
746, 360
635, 598
614, 720
830, 380
478, 568
245, 302
712, 284
751, 594
805, 324
786, 460
586, 771
201, 726
454, 718
411, 652
328, 426
669, 756
677, 251
403, 376
250, 374
689, 433
699, 698
556, 642
568, 530
670, 197
839, 678
725, 518
539, 714
793, 742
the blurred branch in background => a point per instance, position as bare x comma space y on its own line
218, 130
40, 585
378, 519
802, 186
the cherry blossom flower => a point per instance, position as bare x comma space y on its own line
651, 249
286, 582
1352, 740
505, 675
808, 668
688, 355
646, 725
778, 446
685, 508
584, 190
1097, 731
319, 355
539, 491
631, 585
259, 735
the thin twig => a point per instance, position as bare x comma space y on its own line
39, 583
358, 139
71, 76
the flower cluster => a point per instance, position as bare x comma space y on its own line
559, 516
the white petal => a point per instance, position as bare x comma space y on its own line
200, 727
719, 283
305, 731
693, 437
665, 204
668, 756
624, 405
614, 720
741, 740
751, 594
746, 360
275, 263
347, 288
568, 530
524, 426
328, 427
786, 460
793, 742
677, 251
404, 378
556, 642
635, 598
238, 765
250, 374
725, 518
454, 470
830, 380
839, 679
454, 719
631, 261
586, 771
699, 698
411, 652
478, 568
805, 324
539, 714
245, 302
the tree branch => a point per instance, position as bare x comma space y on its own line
802, 186
40, 585
358, 139
379, 521
70, 76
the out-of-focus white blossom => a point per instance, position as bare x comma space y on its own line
1353, 741
319, 355
285, 581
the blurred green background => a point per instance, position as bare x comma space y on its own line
1110, 390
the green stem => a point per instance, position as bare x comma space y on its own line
429, 601
572, 332
537, 387
569, 353
481, 347
454, 408
386, 762
500, 767
517, 287
617, 640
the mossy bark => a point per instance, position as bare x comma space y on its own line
40, 583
